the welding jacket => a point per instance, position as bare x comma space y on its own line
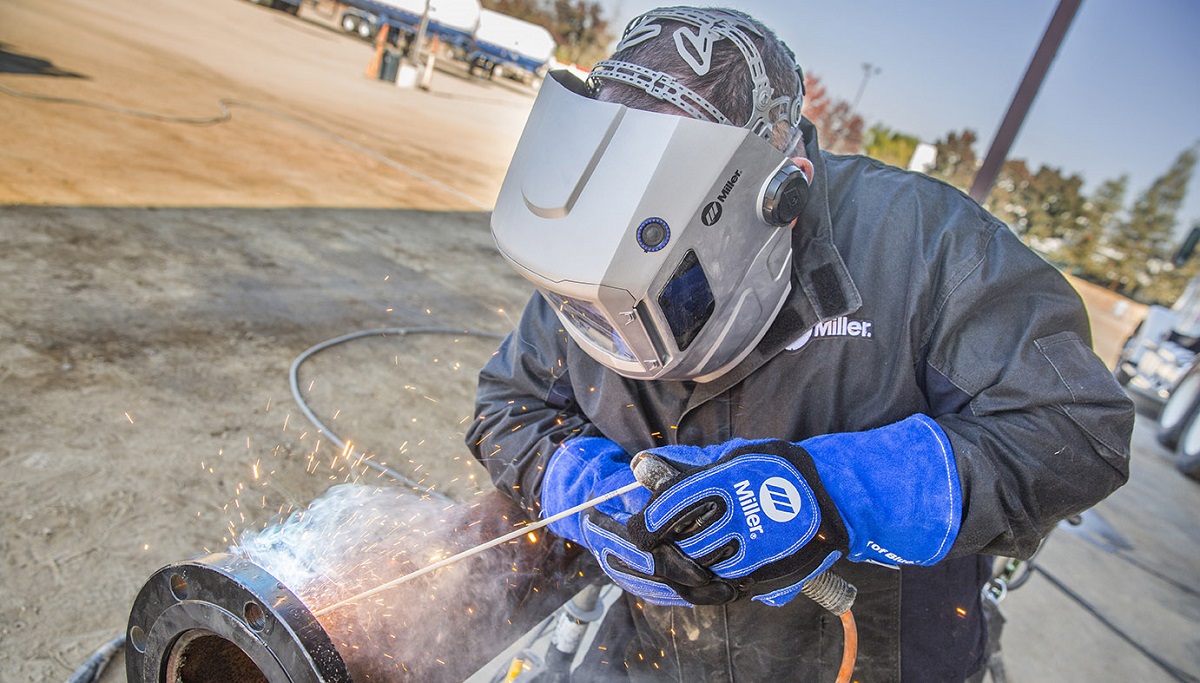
907, 298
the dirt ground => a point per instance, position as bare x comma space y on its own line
159, 277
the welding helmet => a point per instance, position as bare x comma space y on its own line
661, 241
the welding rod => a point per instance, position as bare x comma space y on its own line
517, 533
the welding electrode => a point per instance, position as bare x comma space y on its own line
827, 589
470, 552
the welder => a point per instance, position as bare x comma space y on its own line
847, 366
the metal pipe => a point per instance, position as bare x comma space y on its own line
223, 618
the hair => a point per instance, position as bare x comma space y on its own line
727, 85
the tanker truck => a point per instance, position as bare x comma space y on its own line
505, 45
452, 21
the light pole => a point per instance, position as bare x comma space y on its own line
869, 70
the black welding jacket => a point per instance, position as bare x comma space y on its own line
907, 298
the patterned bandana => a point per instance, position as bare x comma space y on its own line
702, 30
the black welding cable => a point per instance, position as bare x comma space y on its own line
298, 397
90, 670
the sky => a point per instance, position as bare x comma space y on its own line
1121, 98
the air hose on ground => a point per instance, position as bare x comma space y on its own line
298, 397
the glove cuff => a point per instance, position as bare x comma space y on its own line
896, 488
581, 469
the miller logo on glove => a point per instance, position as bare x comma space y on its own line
767, 516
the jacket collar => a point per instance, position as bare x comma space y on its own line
822, 288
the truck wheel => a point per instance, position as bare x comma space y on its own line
1181, 405
1127, 350
349, 23
1187, 455
364, 30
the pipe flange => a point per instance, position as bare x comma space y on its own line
224, 618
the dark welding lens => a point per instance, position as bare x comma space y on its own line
687, 300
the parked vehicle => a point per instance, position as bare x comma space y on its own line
512, 47
290, 6
453, 21
1159, 362
1179, 421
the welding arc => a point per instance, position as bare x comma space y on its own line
516, 533
293, 376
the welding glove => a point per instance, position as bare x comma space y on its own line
584, 468
768, 516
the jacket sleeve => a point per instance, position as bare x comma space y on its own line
525, 407
1039, 427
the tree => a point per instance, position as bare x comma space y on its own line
529, 10
839, 128
1054, 205
956, 162
1010, 194
1046, 209
581, 31
889, 146
1104, 263
1148, 236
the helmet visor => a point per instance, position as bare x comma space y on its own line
590, 324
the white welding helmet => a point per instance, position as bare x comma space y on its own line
662, 242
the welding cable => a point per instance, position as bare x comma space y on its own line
93, 667
224, 105
298, 397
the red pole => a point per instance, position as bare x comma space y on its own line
1034, 75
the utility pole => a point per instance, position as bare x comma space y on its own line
1023, 99
869, 70
419, 40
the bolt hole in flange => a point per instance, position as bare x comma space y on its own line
255, 618
137, 638
179, 587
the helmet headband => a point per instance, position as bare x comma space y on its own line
702, 31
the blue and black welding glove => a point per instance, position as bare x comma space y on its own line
767, 516
587, 467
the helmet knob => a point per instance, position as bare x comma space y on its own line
785, 196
